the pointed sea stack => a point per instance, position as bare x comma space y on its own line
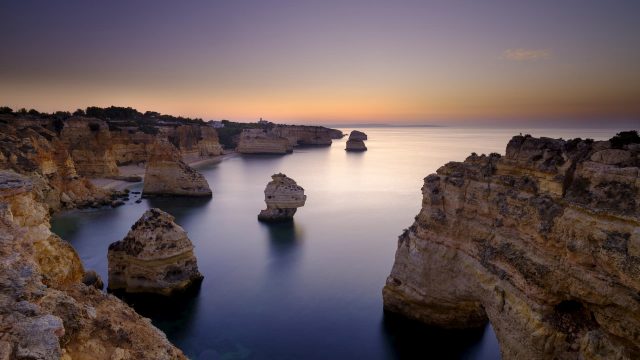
283, 197
167, 175
356, 141
155, 257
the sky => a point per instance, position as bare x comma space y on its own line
574, 62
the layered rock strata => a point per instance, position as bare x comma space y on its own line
167, 175
37, 152
283, 197
45, 311
356, 141
90, 146
132, 146
156, 256
544, 243
304, 135
259, 141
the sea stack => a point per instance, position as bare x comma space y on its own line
283, 197
155, 257
166, 174
543, 242
356, 141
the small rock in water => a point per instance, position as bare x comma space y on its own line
283, 197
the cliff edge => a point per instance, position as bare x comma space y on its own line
543, 242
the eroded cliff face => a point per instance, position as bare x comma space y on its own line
90, 146
35, 151
45, 311
259, 141
305, 135
544, 243
132, 146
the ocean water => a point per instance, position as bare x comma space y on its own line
310, 289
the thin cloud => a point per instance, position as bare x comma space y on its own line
526, 54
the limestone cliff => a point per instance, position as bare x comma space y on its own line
283, 197
544, 243
156, 256
45, 312
167, 174
259, 141
33, 150
89, 142
304, 135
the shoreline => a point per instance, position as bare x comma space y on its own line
137, 170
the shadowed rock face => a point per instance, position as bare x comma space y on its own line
166, 174
156, 256
357, 135
356, 141
283, 197
544, 243
45, 311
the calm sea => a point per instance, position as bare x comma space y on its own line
311, 289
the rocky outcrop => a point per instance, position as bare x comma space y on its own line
35, 151
156, 256
194, 140
283, 197
167, 175
133, 146
335, 134
304, 135
89, 143
356, 141
259, 141
45, 312
357, 135
544, 243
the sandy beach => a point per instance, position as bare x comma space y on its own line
133, 170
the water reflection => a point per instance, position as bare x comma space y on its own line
173, 314
182, 208
285, 242
409, 339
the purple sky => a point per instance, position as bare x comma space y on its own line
409, 62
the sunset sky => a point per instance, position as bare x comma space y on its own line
297, 61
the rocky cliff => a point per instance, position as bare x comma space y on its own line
90, 146
45, 311
304, 135
543, 242
167, 174
132, 146
156, 256
32, 149
259, 141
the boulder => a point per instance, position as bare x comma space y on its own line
155, 257
283, 197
